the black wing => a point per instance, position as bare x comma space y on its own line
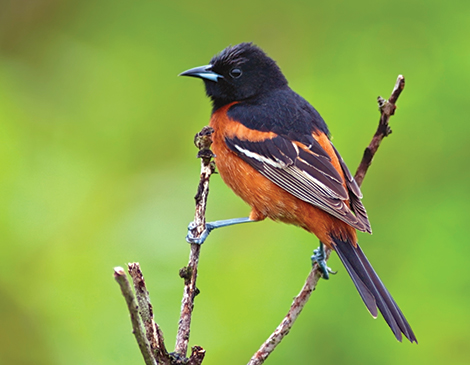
306, 172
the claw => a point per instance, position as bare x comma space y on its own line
190, 238
319, 258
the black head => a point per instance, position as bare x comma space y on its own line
238, 73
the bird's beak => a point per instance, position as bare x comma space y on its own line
203, 72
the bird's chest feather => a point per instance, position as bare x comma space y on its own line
268, 199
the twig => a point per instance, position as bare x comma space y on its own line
189, 273
387, 109
133, 307
151, 342
284, 327
153, 331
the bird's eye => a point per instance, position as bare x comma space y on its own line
235, 73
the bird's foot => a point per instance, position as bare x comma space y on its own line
319, 258
191, 238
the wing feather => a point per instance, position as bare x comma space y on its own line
305, 171
355, 195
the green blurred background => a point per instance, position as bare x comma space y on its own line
97, 169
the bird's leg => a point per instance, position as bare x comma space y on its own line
319, 258
190, 237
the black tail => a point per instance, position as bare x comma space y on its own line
373, 292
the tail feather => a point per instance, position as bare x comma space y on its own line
364, 292
400, 318
371, 289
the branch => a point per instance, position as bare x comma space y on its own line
203, 141
153, 331
151, 341
387, 109
133, 307
284, 327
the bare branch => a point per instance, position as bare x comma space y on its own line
151, 342
387, 109
137, 326
284, 327
153, 331
203, 141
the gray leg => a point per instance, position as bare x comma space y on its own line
213, 225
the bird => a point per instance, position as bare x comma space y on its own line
274, 150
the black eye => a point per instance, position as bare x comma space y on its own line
235, 73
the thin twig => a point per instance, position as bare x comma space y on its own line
284, 327
189, 273
387, 109
137, 325
152, 330
151, 341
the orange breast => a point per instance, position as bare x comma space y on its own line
266, 198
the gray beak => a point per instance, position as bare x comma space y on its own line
203, 72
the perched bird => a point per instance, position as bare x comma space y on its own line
273, 150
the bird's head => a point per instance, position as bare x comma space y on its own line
238, 73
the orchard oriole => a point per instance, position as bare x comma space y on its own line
273, 150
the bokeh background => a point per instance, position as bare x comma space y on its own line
97, 169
